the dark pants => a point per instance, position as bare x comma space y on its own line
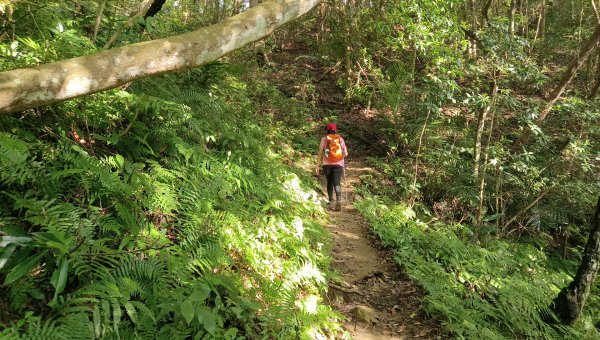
334, 177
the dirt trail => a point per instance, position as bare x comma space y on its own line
378, 299
370, 284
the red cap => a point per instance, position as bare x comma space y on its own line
331, 126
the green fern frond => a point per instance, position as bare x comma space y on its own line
76, 326
129, 219
13, 151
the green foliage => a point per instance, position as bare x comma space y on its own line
163, 211
172, 207
431, 81
492, 290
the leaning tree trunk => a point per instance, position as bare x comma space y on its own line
594, 92
582, 56
569, 303
156, 6
485, 12
55, 82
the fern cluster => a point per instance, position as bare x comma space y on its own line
492, 290
160, 212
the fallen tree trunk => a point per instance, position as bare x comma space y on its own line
45, 84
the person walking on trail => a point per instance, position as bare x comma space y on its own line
332, 154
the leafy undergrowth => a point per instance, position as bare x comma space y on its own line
164, 211
496, 289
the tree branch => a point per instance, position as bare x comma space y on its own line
524, 210
143, 10
31, 87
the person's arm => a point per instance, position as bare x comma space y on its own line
345, 149
319, 159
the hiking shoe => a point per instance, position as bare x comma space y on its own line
338, 206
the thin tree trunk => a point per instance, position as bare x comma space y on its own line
543, 23
322, 18
224, 10
472, 11
482, 174
596, 11
348, 58
511, 17
569, 303
481, 127
485, 158
419, 151
235, 7
583, 55
594, 91
8, 18
580, 29
499, 205
154, 8
539, 30
98, 20
526, 19
217, 12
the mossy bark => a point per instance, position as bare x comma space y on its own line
569, 303
51, 83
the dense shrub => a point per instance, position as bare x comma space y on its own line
495, 289
164, 211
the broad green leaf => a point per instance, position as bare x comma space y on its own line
187, 310
231, 333
61, 280
492, 217
12, 230
120, 160
6, 253
52, 240
23, 268
6, 240
200, 293
208, 319
54, 278
36, 293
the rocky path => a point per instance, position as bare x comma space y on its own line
378, 299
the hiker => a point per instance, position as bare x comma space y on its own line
332, 153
